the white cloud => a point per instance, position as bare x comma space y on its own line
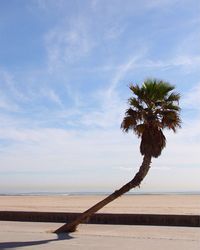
60, 150
52, 95
187, 63
68, 43
7, 105
95, 150
123, 70
108, 154
114, 32
159, 3
95, 147
191, 100
9, 93
111, 109
45, 5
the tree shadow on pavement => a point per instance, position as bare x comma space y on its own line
10, 245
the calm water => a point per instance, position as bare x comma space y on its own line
96, 193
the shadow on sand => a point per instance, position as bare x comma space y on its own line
10, 245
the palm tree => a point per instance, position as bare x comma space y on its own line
153, 107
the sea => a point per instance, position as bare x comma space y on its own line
88, 193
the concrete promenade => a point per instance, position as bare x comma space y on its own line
32, 235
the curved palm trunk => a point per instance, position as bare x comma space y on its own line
71, 227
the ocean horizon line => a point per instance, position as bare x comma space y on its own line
85, 193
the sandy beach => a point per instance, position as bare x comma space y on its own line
150, 204
32, 235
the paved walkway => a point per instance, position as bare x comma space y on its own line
28, 235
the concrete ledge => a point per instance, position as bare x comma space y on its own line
118, 219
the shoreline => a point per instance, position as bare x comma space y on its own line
95, 193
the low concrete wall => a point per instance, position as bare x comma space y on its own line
118, 219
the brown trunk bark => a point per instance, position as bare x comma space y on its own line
71, 227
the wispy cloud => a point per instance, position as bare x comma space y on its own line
10, 93
7, 105
68, 44
191, 99
63, 113
159, 3
45, 5
187, 63
114, 32
7, 89
111, 106
123, 70
51, 95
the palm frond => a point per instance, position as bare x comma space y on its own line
153, 107
135, 103
135, 89
170, 106
156, 89
173, 97
171, 120
128, 123
139, 129
135, 114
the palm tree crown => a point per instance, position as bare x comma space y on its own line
153, 107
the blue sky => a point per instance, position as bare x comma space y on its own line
65, 67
